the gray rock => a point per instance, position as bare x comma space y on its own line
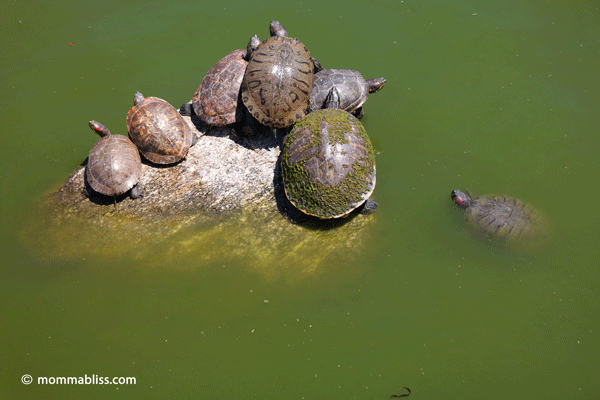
223, 171
224, 201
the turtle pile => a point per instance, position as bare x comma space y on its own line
327, 160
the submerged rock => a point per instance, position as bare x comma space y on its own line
225, 200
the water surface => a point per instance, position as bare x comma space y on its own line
495, 98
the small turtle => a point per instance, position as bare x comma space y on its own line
158, 130
501, 219
216, 101
114, 165
276, 85
353, 89
328, 163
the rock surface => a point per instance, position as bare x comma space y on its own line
222, 172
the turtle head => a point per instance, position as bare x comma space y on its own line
99, 128
461, 200
333, 99
277, 29
252, 45
138, 98
376, 84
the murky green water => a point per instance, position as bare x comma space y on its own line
492, 98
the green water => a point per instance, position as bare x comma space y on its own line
495, 98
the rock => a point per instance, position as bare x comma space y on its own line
222, 172
225, 200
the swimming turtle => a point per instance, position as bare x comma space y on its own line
500, 218
216, 101
276, 85
158, 130
353, 89
114, 165
328, 163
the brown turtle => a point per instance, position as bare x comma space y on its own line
114, 165
278, 79
216, 101
158, 130
503, 220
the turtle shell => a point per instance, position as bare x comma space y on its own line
216, 99
328, 164
277, 82
352, 88
114, 165
503, 219
159, 131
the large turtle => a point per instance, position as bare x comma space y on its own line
351, 85
328, 163
158, 130
501, 219
216, 101
114, 165
277, 82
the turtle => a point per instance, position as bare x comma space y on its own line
276, 85
353, 89
328, 163
114, 165
158, 130
216, 101
501, 219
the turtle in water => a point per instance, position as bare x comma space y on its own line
216, 101
114, 165
158, 130
276, 85
351, 85
328, 163
501, 219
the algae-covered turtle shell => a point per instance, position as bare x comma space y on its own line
328, 164
500, 218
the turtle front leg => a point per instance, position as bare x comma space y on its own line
368, 207
136, 192
358, 113
317, 65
